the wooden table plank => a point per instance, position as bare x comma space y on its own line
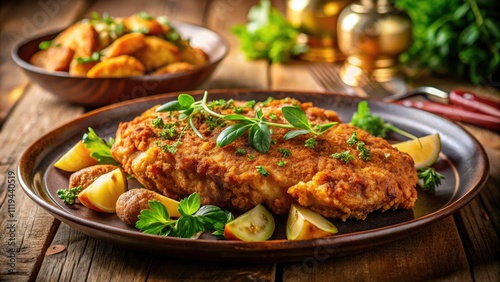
33, 225
414, 258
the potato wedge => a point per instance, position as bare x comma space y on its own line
80, 69
121, 66
130, 204
86, 176
157, 52
80, 37
125, 45
174, 68
195, 56
136, 23
53, 58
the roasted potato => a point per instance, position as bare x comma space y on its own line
86, 176
81, 37
174, 68
80, 69
157, 52
125, 45
121, 66
53, 58
143, 23
195, 56
130, 204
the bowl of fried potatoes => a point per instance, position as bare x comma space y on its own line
104, 59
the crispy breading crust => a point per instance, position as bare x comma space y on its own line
310, 177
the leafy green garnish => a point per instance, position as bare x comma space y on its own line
345, 156
94, 57
194, 219
69, 195
374, 124
145, 16
268, 35
114, 28
460, 38
311, 143
240, 152
353, 139
262, 170
364, 153
281, 163
430, 179
285, 152
100, 149
46, 44
259, 133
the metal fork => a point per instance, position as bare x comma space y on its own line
327, 75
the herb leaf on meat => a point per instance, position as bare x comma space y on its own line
257, 126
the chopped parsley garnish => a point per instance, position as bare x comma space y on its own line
430, 179
273, 116
281, 163
364, 153
68, 196
46, 44
353, 139
158, 122
285, 152
262, 170
311, 143
240, 152
194, 219
214, 122
345, 156
250, 104
94, 57
250, 157
267, 101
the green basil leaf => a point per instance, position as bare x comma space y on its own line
260, 137
294, 133
170, 107
296, 117
231, 133
185, 100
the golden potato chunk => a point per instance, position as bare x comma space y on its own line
121, 66
53, 58
157, 52
81, 37
174, 68
80, 69
86, 176
125, 45
144, 24
195, 56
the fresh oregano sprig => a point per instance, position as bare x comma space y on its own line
258, 127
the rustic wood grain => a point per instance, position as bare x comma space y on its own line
416, 258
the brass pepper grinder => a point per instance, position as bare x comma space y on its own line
372, 34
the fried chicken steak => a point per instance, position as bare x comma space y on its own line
228, 177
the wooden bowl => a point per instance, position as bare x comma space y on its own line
96, 92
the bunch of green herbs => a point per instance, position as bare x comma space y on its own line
460, 38
268, 35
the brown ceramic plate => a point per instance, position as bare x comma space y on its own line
96, 92
463, 162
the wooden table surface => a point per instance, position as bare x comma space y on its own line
461, 247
